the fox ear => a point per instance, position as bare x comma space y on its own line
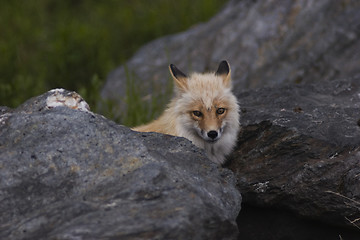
179, 77
224, 72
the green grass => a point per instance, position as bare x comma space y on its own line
74, 44
142, 109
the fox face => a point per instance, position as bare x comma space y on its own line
206, 110
209, 122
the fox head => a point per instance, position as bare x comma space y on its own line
205, 107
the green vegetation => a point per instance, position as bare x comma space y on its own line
73, 44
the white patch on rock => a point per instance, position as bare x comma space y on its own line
261, 187
4, 117
62, 98
57, 90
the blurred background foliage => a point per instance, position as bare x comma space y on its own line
74, 44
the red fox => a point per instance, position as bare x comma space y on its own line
204, 110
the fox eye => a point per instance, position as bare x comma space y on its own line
220, 111
197, 113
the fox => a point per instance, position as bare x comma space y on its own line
204, 110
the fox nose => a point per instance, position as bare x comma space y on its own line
212, 134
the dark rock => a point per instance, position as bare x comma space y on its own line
265, 42
299, 149
67, 173
278, 224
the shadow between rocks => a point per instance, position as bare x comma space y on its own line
277, 224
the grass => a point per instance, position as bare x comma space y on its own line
74, 44
352, 203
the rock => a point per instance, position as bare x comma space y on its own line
299, 150
278, 224
67, 173
265, 42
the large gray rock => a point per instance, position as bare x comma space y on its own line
266, 43
67, 173
299, 150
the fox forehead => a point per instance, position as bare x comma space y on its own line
205, 81
208, 90
208, 106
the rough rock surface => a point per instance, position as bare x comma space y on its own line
299, 149
266, 43
66, 173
